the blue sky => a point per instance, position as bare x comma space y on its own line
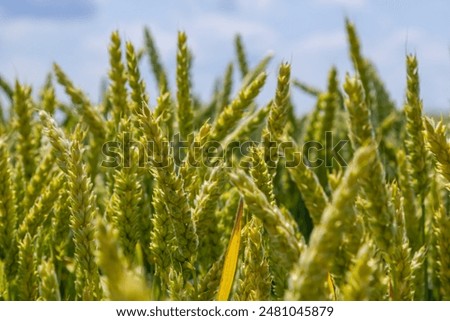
310, 34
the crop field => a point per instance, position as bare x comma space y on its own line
231, 198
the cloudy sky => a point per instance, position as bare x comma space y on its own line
308, 33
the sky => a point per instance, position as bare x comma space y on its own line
310, 34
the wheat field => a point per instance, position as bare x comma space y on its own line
231, 198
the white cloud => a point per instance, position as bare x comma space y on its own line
313, 43
323, 41
214, 33
412, 40
223, 25
260, 5
389, 53
346, 3
28, 70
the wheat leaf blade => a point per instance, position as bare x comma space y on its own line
231, 257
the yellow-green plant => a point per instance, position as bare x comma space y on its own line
227, 198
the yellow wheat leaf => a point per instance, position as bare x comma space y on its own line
231, 257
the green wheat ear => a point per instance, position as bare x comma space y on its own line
412, 216
415, 140
8, 218
310, 273
365, 280
255, 280
360, 65
361, 129
184, 111
155, 61
123, 282
227, 88
138, 93
27, 278
205, 218
306, 182
118, 79
232, 114
125, 203
279, 229
48, 282
442, 233
174, 236
241, 56
439, 146
83, 212
279, 109
24, 122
